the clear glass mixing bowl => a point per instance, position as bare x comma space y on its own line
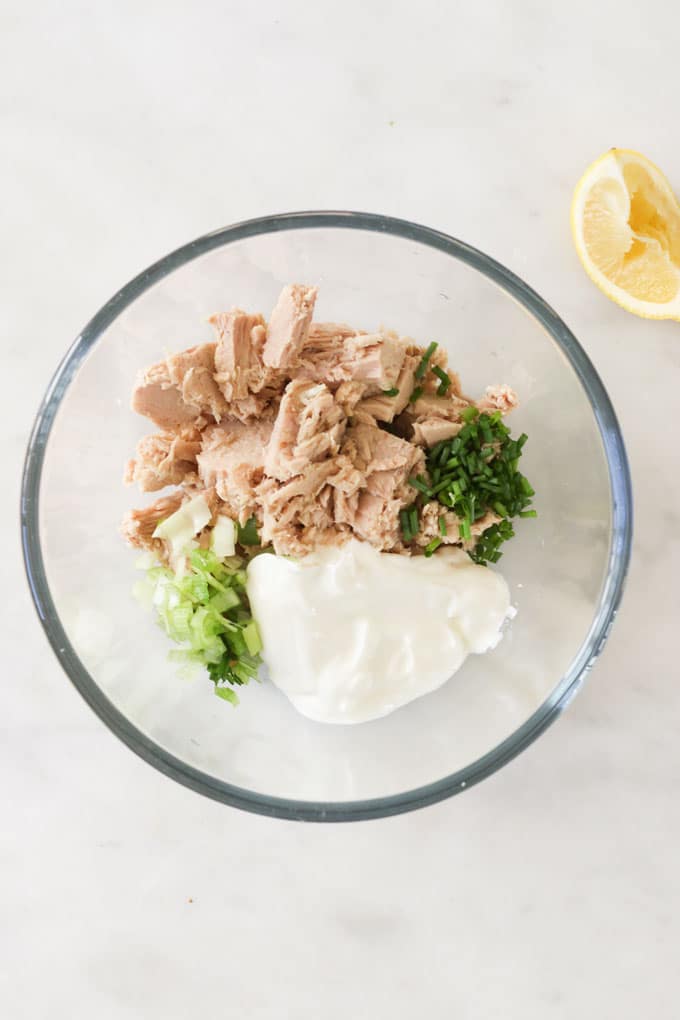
566, 569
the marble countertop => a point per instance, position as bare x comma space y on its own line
550, 890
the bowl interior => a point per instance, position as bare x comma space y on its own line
557, 566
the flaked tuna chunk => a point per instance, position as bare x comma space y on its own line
239, 369
138, 526
498, 398
385, 462
181, 390
289, 325
430, 431
372, 449
429, 405
192, 371
374, 359
157, 398
298, 514
327, 336
429, 526
433, 418
385, 408
232, 461
348, 396
323, 350
164, 458
309, 427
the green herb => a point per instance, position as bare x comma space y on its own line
408, 521
392, 392
444, 380
442, 526
420, 484
422, 367
247, 533
405, 526
416, 395
206, 613
487, 545
478, 472
432, 546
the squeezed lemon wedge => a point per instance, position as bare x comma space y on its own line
625, 222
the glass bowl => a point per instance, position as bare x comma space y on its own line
565, 569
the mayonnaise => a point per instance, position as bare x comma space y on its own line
351, 634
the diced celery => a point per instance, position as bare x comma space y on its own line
227, 693
202, 605
223, 601
251, 636
223, 537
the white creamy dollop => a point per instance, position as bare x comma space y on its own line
351, 634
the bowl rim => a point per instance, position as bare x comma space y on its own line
562, 693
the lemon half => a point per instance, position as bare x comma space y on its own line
626, 225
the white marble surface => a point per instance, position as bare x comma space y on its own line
550, 890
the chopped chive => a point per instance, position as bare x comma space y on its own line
405, 529
442, 526
477, 471
444, 380
420, 484
392, 392
440, 487
422, 367
413, 521
247, 533
432, 546
416, 395
464, 530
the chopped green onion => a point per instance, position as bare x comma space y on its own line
420, 484
442, 526
247, 533
444, 380
392, 392
422, 367
432, 546
416, 395
413, 521
405, 527
205, 611
227, 693
477, 471
251, 636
